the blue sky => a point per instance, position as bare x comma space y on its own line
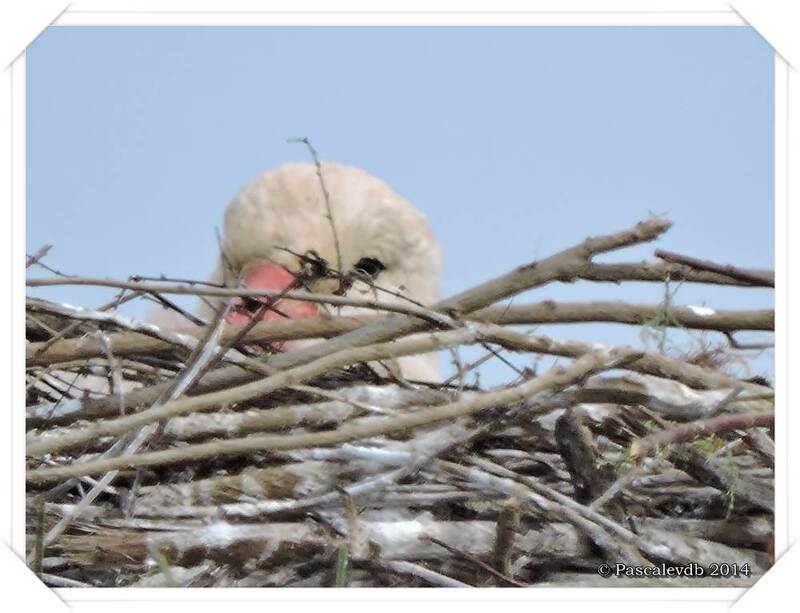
515, 142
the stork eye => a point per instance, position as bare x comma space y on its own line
370, 266
251, 305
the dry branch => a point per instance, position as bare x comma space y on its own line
37, 255
550, 312
576, 445
126, 344
747, 276
426, 574
697, 429
661, 271
725, 477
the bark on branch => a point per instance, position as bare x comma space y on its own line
746, 276
661, 271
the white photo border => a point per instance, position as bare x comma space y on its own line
125, 13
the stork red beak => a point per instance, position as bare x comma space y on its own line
269, 276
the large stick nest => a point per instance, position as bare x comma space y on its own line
158, 458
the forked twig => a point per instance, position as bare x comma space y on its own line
305, 141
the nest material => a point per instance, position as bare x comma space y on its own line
346, 476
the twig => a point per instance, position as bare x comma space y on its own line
746, 346
507, 526
58, 581
325, 194
626, 313
659, 271
646, 363
164, 278
417, 570
113, 365
118, 300
615, 488
117, 319
697, 429
39, 544
576, 445
342, 559
38, 255
725, 477
733, 272
477, 561
29, 317
464, 370
168, 304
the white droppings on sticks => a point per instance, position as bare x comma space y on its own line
398, 532
662, 551
54, 410
252, 486
270, 547
205, 491
199, 424
702, 311
598, 411
384, 396
221, 534
548, 420
379, 456
671, 396
189, 341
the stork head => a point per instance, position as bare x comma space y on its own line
282, 215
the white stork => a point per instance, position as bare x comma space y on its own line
283, 214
